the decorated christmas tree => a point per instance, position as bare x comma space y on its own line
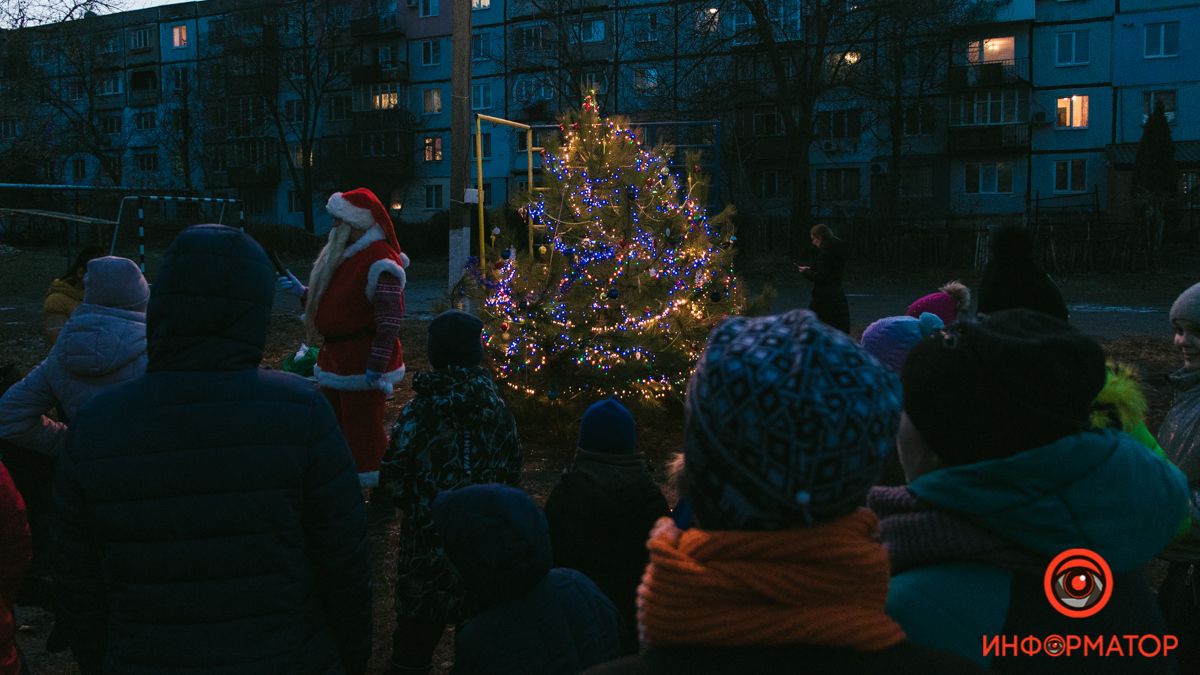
628, 277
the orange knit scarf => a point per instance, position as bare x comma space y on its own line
822, 585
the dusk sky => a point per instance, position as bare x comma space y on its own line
139, 4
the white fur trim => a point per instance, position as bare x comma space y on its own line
358, 382
368, 480
379, 267
369, 237
404, 260
343, 210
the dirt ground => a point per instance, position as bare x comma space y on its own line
24, 275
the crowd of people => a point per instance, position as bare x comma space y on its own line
841, 506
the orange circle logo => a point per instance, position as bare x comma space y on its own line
1078, 583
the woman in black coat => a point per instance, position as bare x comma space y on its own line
828, 296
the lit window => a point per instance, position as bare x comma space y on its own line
386, 98
432, 101
1072, 112
481, 4
180, 37
991, 49
1070, 175
433, 148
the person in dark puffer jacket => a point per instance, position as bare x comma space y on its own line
1013, 279
602, 509
781, 570
533, 620
208, 515
1005, 475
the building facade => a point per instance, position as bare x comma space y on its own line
980, 116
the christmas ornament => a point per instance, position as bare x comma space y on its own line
613, 293
542, 250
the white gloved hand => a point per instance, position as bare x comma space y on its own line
290, 284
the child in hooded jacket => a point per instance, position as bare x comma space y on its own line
457, 431
603, 507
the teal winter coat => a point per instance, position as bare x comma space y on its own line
1098, 490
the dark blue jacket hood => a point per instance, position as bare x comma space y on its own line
496, 537
210, 304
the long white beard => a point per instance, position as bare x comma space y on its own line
322, 272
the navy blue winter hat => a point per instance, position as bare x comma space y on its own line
608, 426
496, 537
455, 339
788, 422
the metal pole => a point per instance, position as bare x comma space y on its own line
460, 130
479, 195
141, 215
529, 168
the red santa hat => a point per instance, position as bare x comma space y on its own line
361, 209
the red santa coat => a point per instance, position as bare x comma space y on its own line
346, 318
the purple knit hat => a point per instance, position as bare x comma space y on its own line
891, 338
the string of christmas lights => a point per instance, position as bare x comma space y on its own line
631, 272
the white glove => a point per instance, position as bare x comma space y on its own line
290, 284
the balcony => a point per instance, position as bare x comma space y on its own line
253, 175
141, 97
988, 74
389, 119
990, 138
372, 74
384, 24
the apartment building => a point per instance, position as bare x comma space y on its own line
1038, 101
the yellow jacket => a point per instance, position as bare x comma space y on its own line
61, 299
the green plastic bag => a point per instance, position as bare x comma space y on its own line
301, 363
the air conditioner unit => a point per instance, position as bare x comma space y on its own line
828, 146
879, 168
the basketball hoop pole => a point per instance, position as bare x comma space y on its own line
480, 118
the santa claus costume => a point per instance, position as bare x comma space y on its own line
355, 303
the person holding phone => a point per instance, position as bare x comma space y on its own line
828, 295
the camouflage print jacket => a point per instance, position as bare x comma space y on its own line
456, 432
